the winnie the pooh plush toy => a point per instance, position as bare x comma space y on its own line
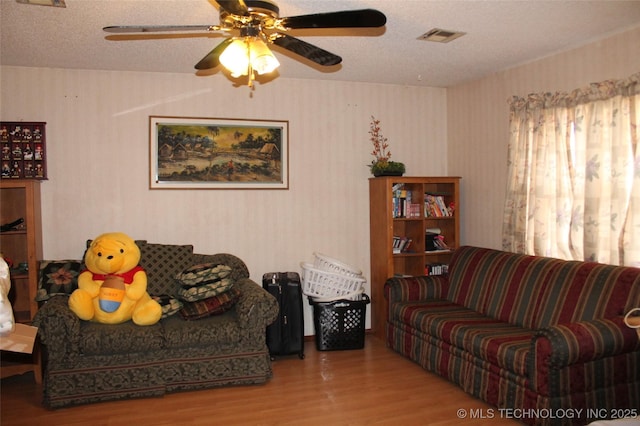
113, 289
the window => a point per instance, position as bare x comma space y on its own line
573, 189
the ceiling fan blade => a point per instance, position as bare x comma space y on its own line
309, 51
158, 28
345, 19
212, 59
235, 7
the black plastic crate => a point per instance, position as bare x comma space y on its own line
340, 324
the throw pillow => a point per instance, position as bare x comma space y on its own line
215, 305
169, 305
57, 277
203, 281
206, 273
162, 262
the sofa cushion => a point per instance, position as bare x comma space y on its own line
57, 277
431, 317
215, 305
105, 339
519, 281
581, 291
170, 305
499, 343
220, 330
162, 262
499, 284
471, 275
536, 291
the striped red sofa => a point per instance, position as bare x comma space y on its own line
541, 339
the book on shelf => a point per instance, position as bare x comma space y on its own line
436, 269
397, 187
403, 205
403, 209
413, 210
440, 244
402, 245
435, 206
434, 240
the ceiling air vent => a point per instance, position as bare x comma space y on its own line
441, 36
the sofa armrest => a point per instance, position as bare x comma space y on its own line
560, 354
412, 289
58, 328
256, 307
566, 344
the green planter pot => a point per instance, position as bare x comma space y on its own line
391, 168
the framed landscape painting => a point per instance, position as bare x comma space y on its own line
214, 153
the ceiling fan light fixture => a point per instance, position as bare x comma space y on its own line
246, 55
263, 61
235, 57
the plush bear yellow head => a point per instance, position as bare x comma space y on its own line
113, 289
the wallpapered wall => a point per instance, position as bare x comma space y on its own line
98, 168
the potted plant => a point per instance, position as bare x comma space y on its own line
382, 165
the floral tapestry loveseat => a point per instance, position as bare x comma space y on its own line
87, 362
542, 337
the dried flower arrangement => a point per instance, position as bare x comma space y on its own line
382, 165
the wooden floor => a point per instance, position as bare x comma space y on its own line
373, 386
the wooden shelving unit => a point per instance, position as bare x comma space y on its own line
20, 198
391, 217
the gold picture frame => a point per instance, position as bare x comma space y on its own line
218, 153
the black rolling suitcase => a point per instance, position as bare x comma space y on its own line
286, 335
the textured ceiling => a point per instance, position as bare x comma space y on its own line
500, 35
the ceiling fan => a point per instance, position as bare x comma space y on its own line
258, 24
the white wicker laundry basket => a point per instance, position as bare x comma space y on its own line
329, 264
326, 286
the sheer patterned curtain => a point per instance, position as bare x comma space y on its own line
573, 189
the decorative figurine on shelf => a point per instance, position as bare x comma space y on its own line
7, 322
16, 171
382, 164
16, 135
26, 135
6, 170
113, 289
38, 154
